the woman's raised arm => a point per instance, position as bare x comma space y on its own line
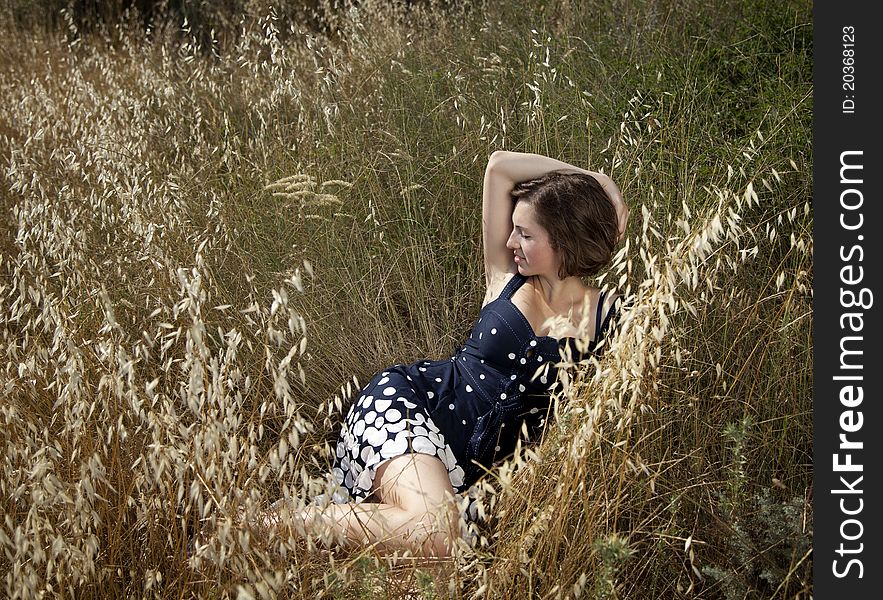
504, 170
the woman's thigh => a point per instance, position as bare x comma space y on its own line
417, 483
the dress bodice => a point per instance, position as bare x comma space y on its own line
498, 380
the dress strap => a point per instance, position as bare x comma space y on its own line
601, 298
601, 326
512, 286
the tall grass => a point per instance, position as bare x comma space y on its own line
214, 230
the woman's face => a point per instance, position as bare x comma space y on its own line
533, 250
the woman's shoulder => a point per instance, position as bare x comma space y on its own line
598, 323
608, 301
610, 306
593, 315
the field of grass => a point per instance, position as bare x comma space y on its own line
216, 222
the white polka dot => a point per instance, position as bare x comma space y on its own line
464, 421
423, 445
378, 423
359, 427
543, 379
375, 437
438, 379
523, 361
370, 416
480, 335
502, 396
394, 447
513, 376
451, 406
468, 388
430, 395
539, 359
383, 381
521, 388
382, 404
534, 411
364, 480
533, 342
392, 415
421, 368
389, 391
481, 376
494, 331
385, 373
409, 378
396, 427
481, 360
456, 476
511, 356
406, 402
436, 439
497, 449
447, 456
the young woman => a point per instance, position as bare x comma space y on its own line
417, 434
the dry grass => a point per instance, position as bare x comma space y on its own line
207, 245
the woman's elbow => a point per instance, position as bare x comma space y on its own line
496, 157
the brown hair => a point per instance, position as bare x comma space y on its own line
579, 217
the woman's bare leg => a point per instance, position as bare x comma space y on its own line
415, 511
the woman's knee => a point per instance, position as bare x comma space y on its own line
415, 482
418, 484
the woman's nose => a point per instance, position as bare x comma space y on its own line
511, 243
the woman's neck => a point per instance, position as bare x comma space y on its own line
560, 294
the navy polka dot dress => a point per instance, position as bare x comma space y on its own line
467, 410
